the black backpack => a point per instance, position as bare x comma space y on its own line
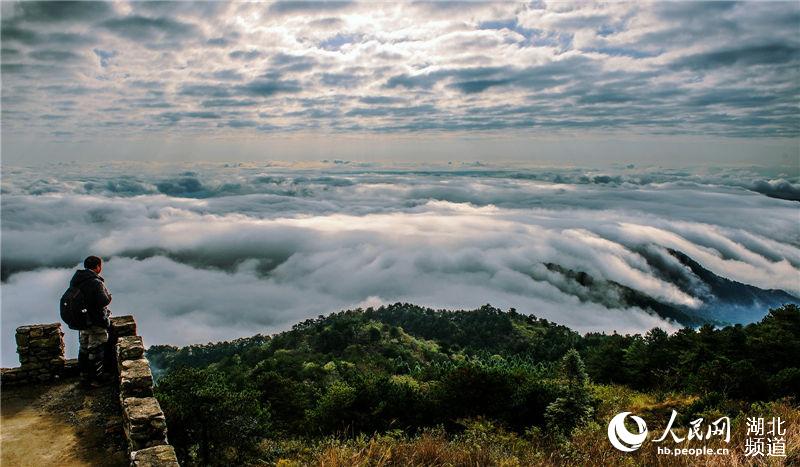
73, 309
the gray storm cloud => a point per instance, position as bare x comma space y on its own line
215, 252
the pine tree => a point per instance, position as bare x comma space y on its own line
575, 407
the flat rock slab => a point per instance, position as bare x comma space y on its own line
144, 422
130, 348
157, 456
123, 326
37, 330
135, 378
142, 410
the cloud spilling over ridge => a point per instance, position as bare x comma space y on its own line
219, 252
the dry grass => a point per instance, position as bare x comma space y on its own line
483, 444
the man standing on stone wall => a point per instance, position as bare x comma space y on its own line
93, 340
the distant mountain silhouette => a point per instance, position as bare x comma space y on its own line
724, 301
731, 301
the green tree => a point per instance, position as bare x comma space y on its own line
575, 406
210, 421
334, 407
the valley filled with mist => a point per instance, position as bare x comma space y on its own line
226, 250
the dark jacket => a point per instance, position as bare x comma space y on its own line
95, 294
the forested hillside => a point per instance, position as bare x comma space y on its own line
420, 374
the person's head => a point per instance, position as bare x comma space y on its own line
94, 263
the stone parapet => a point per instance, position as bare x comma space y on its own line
41, 354
143, 420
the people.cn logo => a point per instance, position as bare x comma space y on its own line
623, 439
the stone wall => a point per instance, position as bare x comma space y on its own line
143, 419
41, 354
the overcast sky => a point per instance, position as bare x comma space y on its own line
403, 81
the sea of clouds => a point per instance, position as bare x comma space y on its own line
206, 252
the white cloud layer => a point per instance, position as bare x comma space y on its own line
223, 251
